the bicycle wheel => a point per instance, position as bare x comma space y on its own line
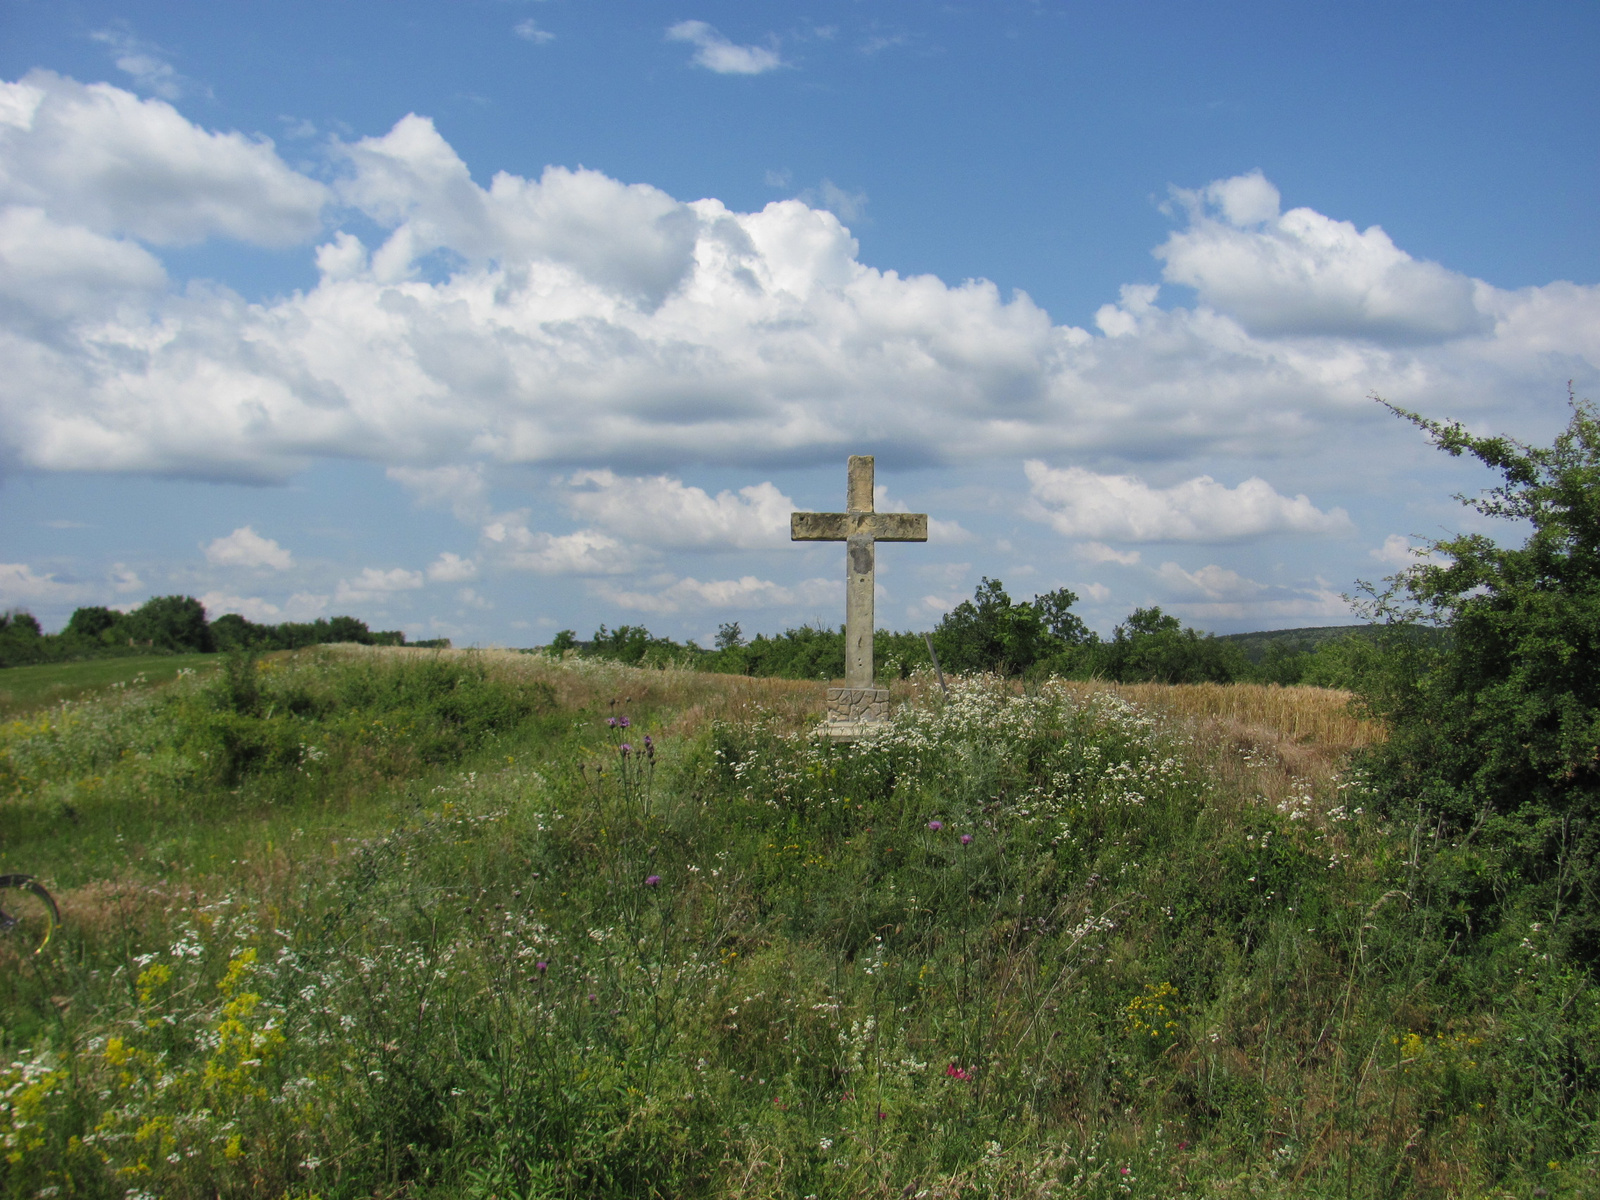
28, 915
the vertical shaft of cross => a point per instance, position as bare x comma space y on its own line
859, 579
860, 702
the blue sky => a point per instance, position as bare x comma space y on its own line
491, 319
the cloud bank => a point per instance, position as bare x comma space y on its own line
1122, 508
662, 512
577, 320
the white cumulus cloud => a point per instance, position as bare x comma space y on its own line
585, 552
98, 156
244, 547
1396, 551
716, 53
663, 512
1081, 504
745, 592
21, 585
1212, 582
52, 275
374, 584
451, 568
1304, 273
577, 320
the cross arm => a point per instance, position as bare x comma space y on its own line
841, 527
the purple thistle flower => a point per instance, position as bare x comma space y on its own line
624, 722
966, 839
541, 967
936, 825
611, 722
626, 749
652, 881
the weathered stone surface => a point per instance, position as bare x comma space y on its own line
857, 705
860, 528
841, 527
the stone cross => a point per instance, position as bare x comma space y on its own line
860, 700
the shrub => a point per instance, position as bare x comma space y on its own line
1496, 731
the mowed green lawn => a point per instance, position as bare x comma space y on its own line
23, 689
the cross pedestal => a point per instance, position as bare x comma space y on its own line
860, 701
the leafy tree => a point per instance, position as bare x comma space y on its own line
730, 636
1495, 731
1154, 647
94, 623
174, 623
1055, 611
566, 640
804, 653
990, 632
21, 639
232, 632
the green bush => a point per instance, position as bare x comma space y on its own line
1496, 731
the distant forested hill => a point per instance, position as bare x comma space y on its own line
1257, 646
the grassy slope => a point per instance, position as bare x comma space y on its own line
1174, 959
24, 689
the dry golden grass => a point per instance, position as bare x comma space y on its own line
1263, 740
1308, 715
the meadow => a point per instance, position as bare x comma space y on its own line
24, 689
388, 922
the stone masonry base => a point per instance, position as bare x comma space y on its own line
851, 708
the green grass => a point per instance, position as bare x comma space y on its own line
25, 689
1018, 946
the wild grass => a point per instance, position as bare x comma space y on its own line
25, 689
1070, 942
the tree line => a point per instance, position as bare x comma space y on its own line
993, 633
174, 625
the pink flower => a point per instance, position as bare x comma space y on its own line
966, 839
652, 881
955, 1072
936, 825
